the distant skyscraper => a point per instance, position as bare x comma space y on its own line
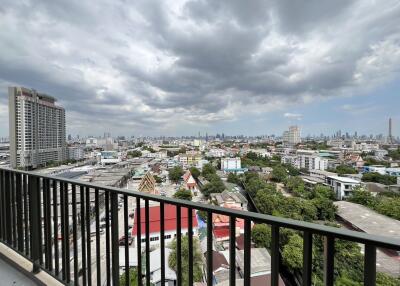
37, 129
390, 136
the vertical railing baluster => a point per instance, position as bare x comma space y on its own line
97, 214
40, 217
26, 214
75, 234
55, 221
370, 265
88, 244
247, 252
126, 218
209, 249
232, 251
108, 251
34, 218
329, 260
190, 245
7, 208
13, 211
274, 255
48, 222
18, 185
45, 224
63, 234
114, 239
139, 240
162, 242
67, 241
1, 205
178, 246
147, 231
307, 258
83, 240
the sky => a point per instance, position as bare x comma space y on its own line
156, 67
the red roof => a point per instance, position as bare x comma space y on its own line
169, 219
221, 232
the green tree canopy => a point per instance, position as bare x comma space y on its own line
183, 195
208, 171
195, 172
261, 235
279, 173
133, 277
197, 259
175, 173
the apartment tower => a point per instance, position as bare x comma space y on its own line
37, 129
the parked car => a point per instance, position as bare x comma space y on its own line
122, 240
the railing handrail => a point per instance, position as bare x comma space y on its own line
361, 237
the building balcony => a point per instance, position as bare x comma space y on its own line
84, 234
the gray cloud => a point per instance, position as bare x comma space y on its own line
150, 67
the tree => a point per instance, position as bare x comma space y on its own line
255, 184
361, 196
321, 191
197, 259
261, 235
325, 208
214, 186
378, 178
133, 277
233, 178
158, 179
208, 171
195, 172
279, 173
343, 169
175, 174
183, 195
292, 253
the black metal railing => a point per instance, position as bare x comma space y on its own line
49, 221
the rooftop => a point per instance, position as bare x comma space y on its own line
368, 220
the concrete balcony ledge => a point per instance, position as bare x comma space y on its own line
17, 270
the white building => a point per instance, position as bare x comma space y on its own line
216, 152
312, 162
231, 164
76, 153
170, 224
91, 142
109, 157
37, 129
342, 186
292, 136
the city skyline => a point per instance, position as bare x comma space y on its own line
189, 71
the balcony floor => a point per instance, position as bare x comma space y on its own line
12, 276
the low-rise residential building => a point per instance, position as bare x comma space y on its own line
231, 165
342, 186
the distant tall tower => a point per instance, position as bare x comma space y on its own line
390, 137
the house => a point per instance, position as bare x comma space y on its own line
170, 223
189, 183
229, 199
220, 267
354, 160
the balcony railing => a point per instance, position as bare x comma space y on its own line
35, 213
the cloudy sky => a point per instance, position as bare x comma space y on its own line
180, 67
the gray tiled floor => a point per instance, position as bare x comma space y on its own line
11, 276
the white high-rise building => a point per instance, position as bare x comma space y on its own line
231, 164
292, 137
37, 129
